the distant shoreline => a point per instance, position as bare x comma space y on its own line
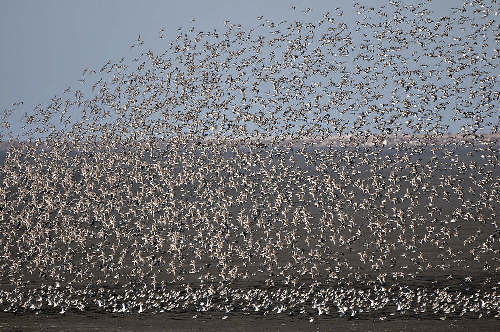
365, 141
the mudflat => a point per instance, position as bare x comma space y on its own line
290, 245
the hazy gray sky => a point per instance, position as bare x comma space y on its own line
45, 45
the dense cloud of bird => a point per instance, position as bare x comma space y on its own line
299, 167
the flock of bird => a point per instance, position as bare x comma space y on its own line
293, 168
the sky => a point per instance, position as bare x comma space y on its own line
45, 45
